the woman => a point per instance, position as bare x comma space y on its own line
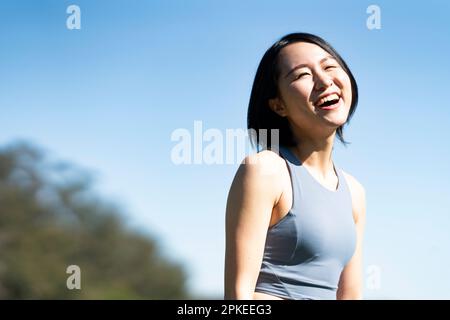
294, 220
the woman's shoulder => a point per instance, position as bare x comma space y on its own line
353, 183
258, 176
358, 194
265, 162
262, 171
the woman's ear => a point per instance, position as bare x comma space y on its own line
277, 106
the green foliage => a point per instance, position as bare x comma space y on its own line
50, 219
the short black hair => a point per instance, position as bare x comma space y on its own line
265, 87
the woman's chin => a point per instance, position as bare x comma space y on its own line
334, 121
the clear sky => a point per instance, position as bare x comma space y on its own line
109, 96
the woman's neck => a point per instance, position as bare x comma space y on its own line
315, 154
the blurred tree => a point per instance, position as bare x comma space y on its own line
50, 219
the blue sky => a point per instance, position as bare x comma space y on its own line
109, 96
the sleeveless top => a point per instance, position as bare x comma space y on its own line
306, 251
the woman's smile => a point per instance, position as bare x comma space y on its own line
331, 105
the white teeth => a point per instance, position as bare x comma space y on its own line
327, 98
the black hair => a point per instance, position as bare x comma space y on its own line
265, 87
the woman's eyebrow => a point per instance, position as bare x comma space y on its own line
305, 65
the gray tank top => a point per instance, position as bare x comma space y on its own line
306, 251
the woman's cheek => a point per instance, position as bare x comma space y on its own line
345, 79
302, 90
345, 84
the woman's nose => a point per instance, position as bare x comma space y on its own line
323, 82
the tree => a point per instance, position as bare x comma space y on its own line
50, 219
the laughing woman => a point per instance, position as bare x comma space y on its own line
295, 220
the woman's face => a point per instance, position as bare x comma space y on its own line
307, 75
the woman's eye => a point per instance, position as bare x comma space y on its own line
301, 75
330, 67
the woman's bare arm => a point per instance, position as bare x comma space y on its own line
253, 194
351, 280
